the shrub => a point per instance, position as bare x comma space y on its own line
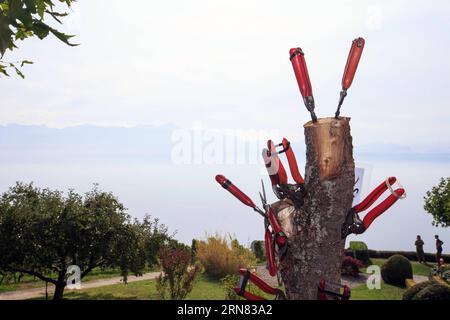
178, 275
411, 292
433, 291
360, 251
258, 250
396, 270
220, 257
350, 266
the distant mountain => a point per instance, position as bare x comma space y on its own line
142, 144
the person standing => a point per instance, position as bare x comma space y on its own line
439, 244
419, 250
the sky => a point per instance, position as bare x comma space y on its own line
224, 65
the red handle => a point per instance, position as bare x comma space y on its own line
269, 253
374, 195
235, 191
301, 71
382, 207
292, 162
260, 283
273, 221
352, 62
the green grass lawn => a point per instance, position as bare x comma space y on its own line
204, 289
207, 289
29, 282
418, 268
387, 292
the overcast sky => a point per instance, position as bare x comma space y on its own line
226, 64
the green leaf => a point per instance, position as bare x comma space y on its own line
40, 29
19, 73
3, 70
24, 62
5, 34
40, 6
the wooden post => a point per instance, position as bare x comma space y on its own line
314, 231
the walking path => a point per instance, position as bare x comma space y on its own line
40, 292
351, 282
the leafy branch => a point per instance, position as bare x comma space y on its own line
22, 19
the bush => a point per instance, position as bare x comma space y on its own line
220, 257
411, 292
178, 275
258, 250
396, 270
433, 291
350, 266
360, 251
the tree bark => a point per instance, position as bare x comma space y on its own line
60, 285
314, 230
59, 290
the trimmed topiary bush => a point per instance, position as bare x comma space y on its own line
433, 291
360, 251
411, 292
396, 270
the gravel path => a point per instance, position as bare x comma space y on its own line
40, 292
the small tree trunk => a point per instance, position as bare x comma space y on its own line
315, 245
59, 290
60, 285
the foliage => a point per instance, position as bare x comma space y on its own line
358, 245
43, 232
360, 251
221, 257
437, 203
178, 275
22, 19
258, 250
193, 250
154, 236
411, 292
433, 291
350, 266
396, 270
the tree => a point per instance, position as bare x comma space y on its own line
43, 232
437, 203
315, 245
258, 249
22, 19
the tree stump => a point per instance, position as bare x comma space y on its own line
315, 245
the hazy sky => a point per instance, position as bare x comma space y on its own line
226, 63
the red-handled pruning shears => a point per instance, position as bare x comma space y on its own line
350, 69
353, 223
278, 177
246, 276
332, 291
274, 236
297, 58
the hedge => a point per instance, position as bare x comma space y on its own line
411, 255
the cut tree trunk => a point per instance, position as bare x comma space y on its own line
315, 246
